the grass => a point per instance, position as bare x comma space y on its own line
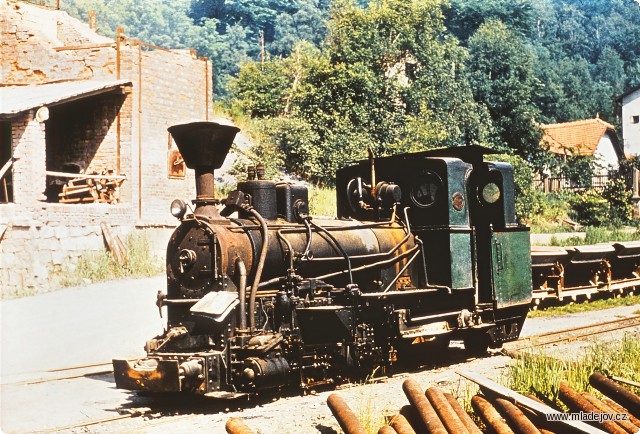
322, 201
540, 375
366, 408
595, 235
97, 267
600, 304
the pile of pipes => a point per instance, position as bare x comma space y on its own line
504, 411
433, 411
500, 409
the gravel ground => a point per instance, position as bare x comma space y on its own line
95, 323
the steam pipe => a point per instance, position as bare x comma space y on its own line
241, 269
338, 246
263, 257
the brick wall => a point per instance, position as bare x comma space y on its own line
168, 88
28, 41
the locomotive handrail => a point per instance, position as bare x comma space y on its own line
402, 270
337, 244
369, 266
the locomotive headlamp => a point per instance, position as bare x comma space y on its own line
178, 209
491, 193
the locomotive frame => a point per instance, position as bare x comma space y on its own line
260, 294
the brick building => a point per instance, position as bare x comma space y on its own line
73, 102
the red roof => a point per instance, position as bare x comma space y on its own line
575, 138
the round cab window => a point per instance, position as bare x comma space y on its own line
491, 193
425, 190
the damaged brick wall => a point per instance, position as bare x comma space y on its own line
31, 38
39, 238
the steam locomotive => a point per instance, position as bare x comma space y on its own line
425, 248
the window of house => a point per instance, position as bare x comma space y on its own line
6, 162
635, 119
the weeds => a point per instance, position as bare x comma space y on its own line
366, 409
540, 375
96, 267
322, 201
600, 304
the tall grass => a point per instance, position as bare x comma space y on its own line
101, 266
322, 201
540, 375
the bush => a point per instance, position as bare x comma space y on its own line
590, 208
619, 199
612, 207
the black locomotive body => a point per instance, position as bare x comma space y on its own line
260, 294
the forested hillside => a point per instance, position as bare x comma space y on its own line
323, 80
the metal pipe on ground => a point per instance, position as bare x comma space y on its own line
576, 402
616, 392
427, 414
517, 420
463, 415
412, 416
237, 426
387, 430
490, 415
620, 409
447, 415
402, 425
344, 415
624, 424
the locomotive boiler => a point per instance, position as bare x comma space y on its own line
260, 294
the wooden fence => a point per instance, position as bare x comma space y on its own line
598, 182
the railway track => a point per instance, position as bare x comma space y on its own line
571, 334
59, 374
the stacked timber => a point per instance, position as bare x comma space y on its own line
91, 188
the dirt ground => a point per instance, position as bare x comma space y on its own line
93, 324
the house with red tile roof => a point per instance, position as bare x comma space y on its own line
589, 137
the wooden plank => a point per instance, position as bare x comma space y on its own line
86, 47
113, 245
79, 176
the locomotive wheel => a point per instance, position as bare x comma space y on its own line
476, 344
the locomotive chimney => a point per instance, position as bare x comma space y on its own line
204, 146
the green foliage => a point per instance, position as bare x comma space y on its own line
549, 210
620, 203
579, 170
502, 76
388, 78
322, 201
589, 208
611, 207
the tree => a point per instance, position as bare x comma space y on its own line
502, 78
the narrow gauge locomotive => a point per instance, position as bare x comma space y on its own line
261, 295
